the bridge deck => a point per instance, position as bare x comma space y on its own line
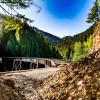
33, 62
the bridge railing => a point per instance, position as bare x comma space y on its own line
17, 62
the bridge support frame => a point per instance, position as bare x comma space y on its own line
17, 64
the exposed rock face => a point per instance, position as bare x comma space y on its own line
96, 39
76, 81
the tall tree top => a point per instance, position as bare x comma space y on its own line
94, 15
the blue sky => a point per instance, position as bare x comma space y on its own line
60, 17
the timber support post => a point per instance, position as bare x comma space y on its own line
17, 64
37, 63
31, 64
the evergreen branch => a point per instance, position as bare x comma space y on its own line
12, 8
5, 10
37, 7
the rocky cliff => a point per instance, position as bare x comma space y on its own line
96, 37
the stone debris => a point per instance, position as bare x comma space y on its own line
7, 92
74, 81
24, 85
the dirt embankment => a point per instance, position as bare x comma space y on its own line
24, 83
74, 81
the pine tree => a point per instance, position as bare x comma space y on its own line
94, 15
17, 3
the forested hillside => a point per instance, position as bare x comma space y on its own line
51, 38
78, 46
17, 38
20, 39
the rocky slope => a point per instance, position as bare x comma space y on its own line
7, 91
96, 39
75, 81
19, 87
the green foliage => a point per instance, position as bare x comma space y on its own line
62, 51
13, 23
79, 51
82, 49
66, 46
94, 15
19, 39
88, 44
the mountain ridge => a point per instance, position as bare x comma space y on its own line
52, 38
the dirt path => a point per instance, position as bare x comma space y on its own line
27, 82
34, 73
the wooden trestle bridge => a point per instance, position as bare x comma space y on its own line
19, 63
